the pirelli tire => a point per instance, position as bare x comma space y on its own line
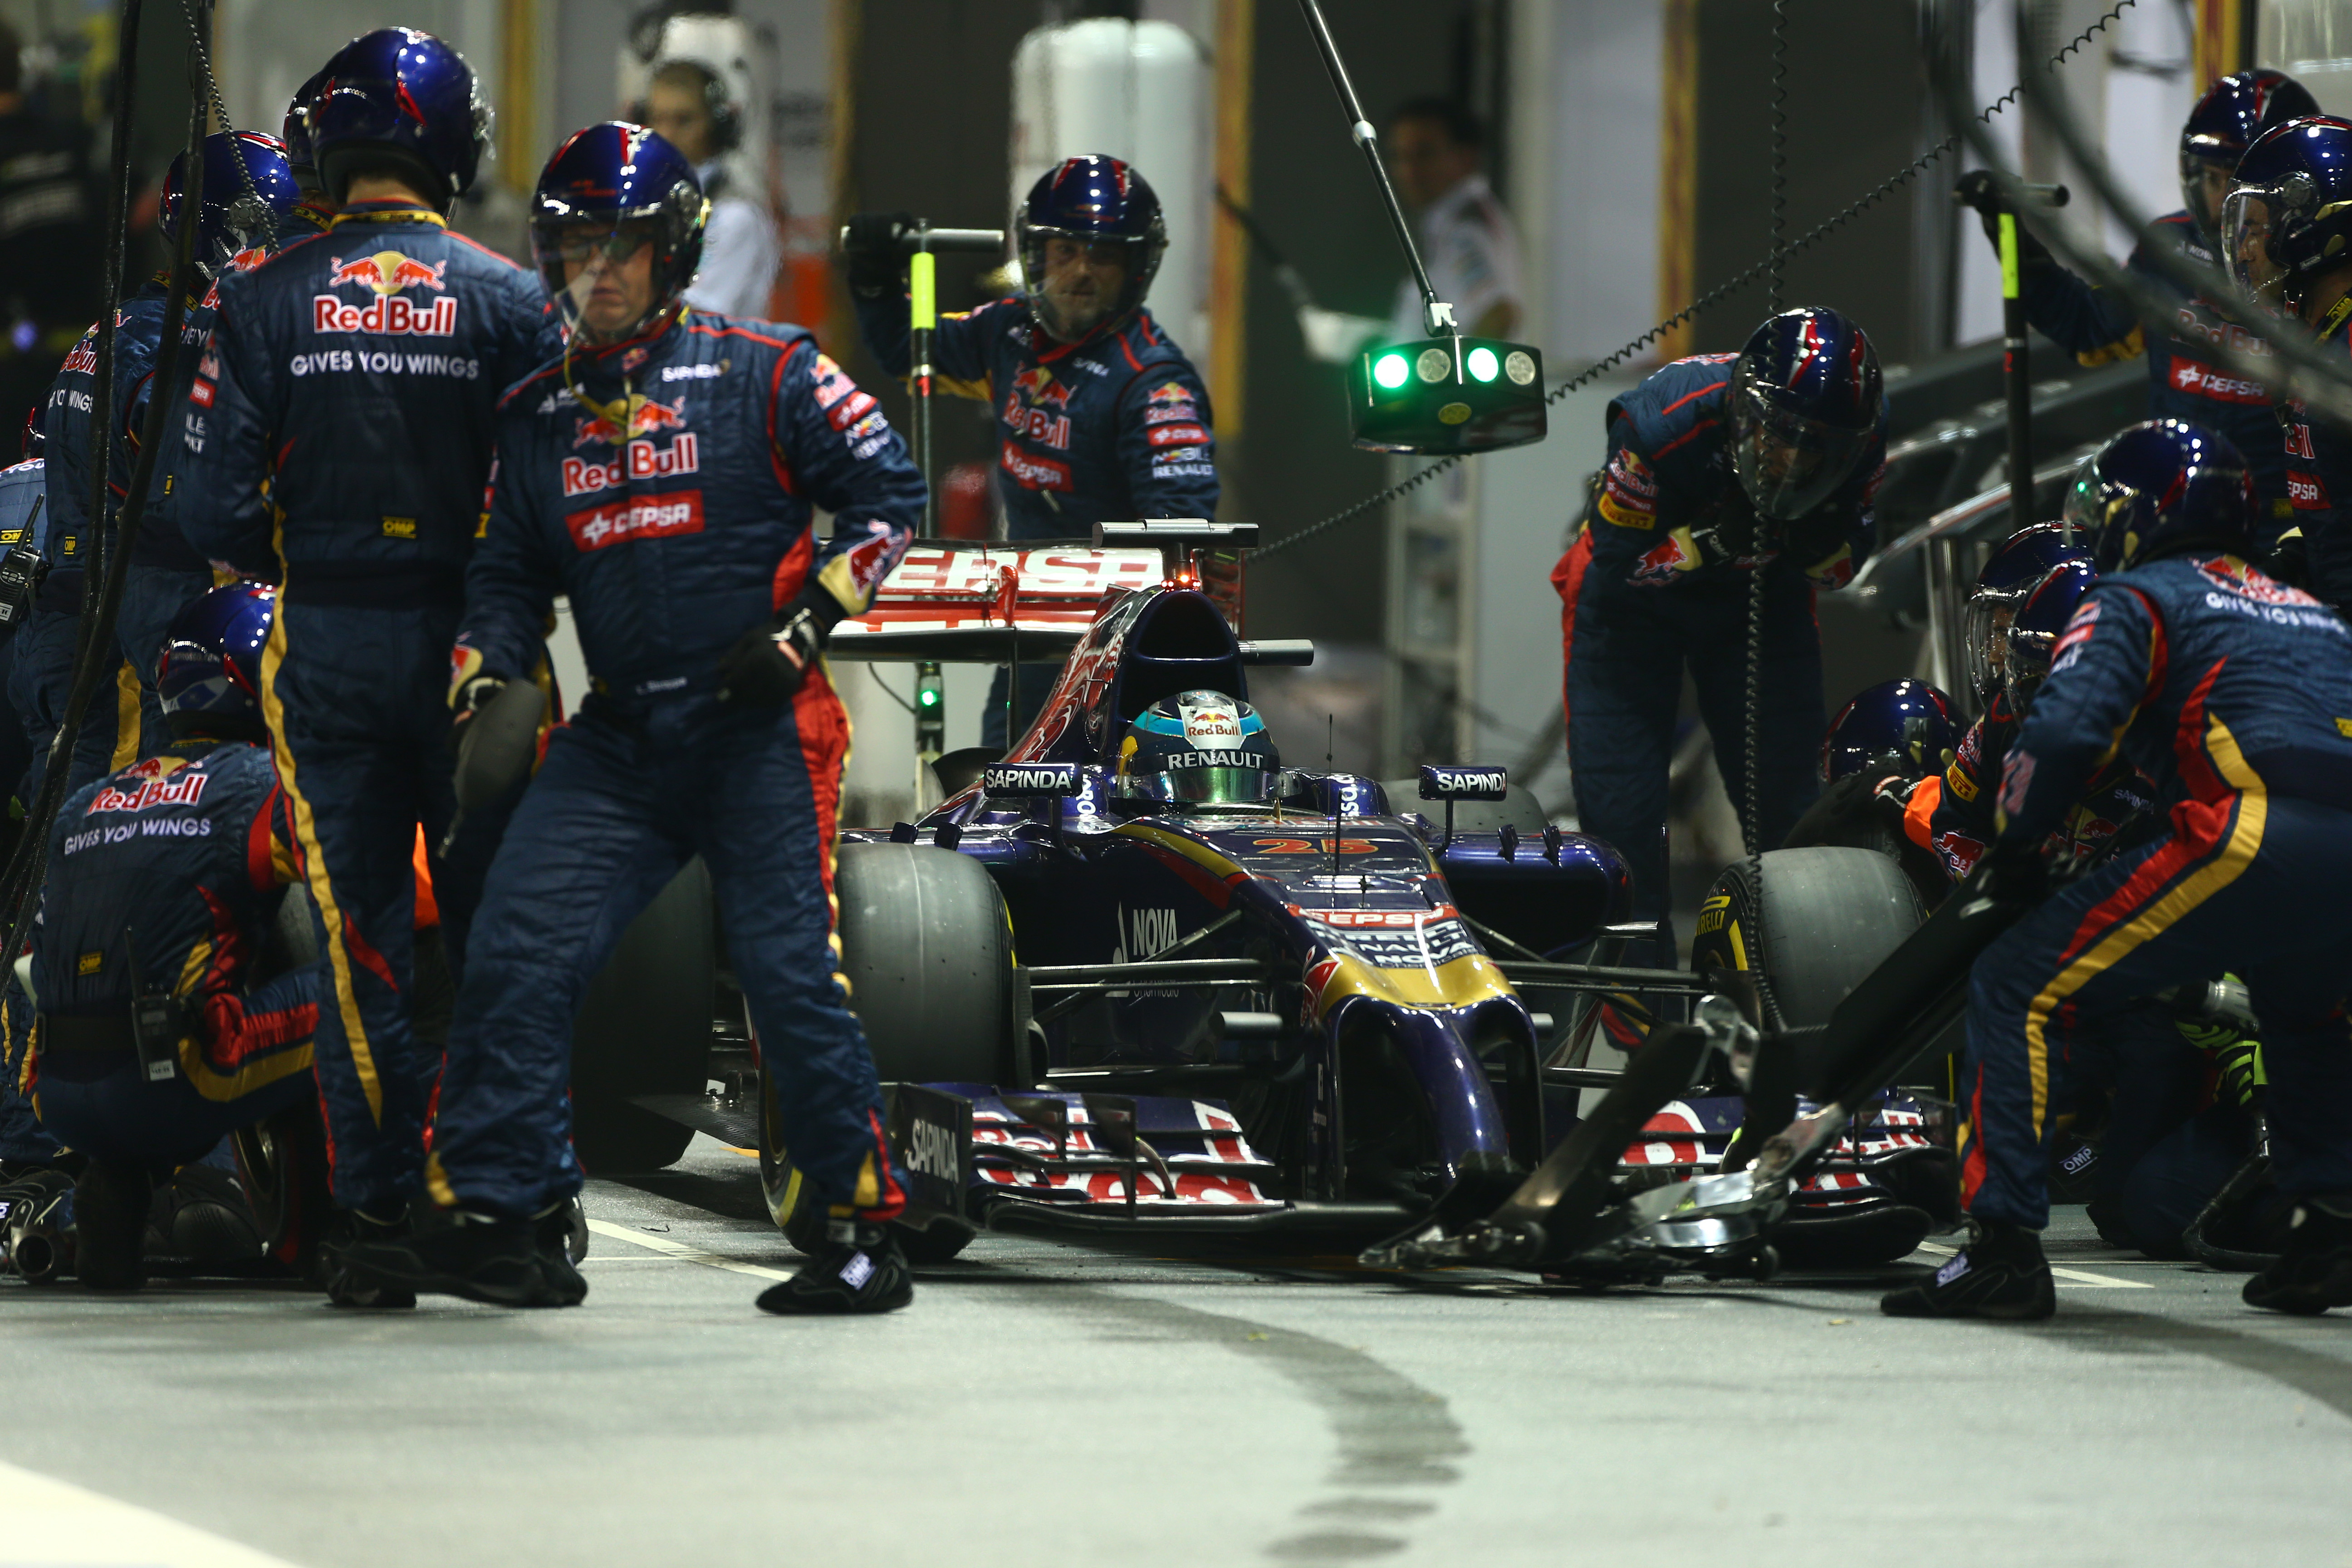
926, 952
1830, 914
644, 1027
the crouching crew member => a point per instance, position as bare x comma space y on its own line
662, 474
2230, 691
155, 1036
355, 375
1100, 416
1720, 466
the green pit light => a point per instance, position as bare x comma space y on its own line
1482, 365
1390, 371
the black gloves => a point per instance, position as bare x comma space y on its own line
2014, 873
768, 663
1976, 189
874, 245
469, 697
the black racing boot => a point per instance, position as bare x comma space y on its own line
483, 1257
347, 1285
2315, 1271
111, 1207
2000, 1273
860, 1269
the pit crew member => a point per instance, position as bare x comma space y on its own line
1100, 416
2224, 687
356, 375
1881, 745
155, 1037
313, 214
2099, 329
1720, 466
687, 103
233, 230
662, 473
2284, 232
25, 1145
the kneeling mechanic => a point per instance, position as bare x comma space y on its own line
703, 601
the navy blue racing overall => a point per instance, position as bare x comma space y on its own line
666, 484
357, 374
2233, 693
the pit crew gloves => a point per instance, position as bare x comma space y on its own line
768, 663
872, 246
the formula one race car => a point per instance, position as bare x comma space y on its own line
1285, 1008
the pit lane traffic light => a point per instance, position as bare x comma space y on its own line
1446, 394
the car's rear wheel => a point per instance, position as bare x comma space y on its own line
927, 953
645, 1028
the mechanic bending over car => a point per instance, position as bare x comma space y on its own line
2098, 328
234, 231
1883, 741
703, 603
2232, 692
156, 1035
2285, 231
1100, 416
1720, 466
375, 462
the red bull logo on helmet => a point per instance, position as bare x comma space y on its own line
388, 275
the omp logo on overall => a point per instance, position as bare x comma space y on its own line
637, 461
388, 274
637, 516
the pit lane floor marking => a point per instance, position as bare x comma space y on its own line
53, 1522
678, 1250
2071, 1276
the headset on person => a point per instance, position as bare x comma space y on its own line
717, 102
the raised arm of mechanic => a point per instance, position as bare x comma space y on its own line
2109, 661
855, 466
512, 580
1168, 444
227, 435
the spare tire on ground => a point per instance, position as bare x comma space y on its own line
644, 1027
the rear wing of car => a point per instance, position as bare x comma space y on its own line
1028, 601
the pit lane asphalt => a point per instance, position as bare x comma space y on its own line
1045, 1404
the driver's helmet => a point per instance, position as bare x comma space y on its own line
2016, 568
1198, 748
1806, 400
2041, 622
2230, 118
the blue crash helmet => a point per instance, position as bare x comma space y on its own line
208, 678
2289, 218
1093, 200
1806, 398
1906, 724
2159, 488
404, 95
1198, 748
295, 132
608, 190
2040, 621
243, 219
2230, 118
2023, 559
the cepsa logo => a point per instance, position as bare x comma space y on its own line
388, 274
637, 517
637, 461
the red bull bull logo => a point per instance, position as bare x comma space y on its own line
1677, 552
1168, 395
614, 424
388, 275
1029, 405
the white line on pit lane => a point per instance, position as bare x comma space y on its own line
2071, 1276
682, 1252
55, 1522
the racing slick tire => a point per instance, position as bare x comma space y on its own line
644, 1027
1831, 914
927, 953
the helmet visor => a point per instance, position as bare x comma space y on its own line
2246, 215
1984, 623
1077, 282
1787, 463
2204, 186
600, 270
1203, 786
